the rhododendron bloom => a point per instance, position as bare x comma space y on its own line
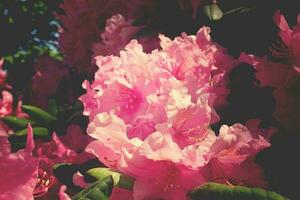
230, 153
3, 75
151, 88
19, 170
147, 161
6, 104
285, 81
82, 26
150, 115
291, 39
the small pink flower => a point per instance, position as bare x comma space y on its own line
6, 104
21, 170
230, 157
62, 194
3, 76
291, 39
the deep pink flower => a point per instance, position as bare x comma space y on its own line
230, 157
19, 170
291, 39
3, 75
82, 25
117, 34
75, 139
285, 81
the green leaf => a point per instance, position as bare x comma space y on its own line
39, 114
17, 122
99, 190
37, 131
213, 12
52, 107
120, 180
18, 139
216, 191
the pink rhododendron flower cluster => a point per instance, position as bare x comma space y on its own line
150, 114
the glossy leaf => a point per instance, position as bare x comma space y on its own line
216, 191
99, 190
17, 122
120, 180
37, 131
213, 12
39, 114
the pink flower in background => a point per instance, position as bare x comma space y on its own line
117, 34
82, 25
229, 157
6, 104
291, 39
49, 73
19, 170
285, 80
3, 75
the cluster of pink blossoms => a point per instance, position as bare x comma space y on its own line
150, 116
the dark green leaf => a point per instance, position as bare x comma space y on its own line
39, 114
37, 131
17, 122
52, 107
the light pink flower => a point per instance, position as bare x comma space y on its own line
147, 161
6, 104
117, 34
19, 170
145, 89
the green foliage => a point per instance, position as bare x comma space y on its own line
100, 190
120, 180
28, 29
216, 191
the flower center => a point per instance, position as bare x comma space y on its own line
44, 182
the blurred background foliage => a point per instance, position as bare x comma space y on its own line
28, 29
